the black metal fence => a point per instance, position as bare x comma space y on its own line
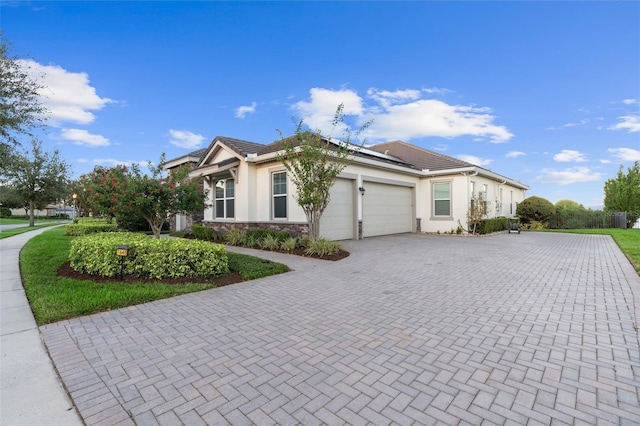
594, 219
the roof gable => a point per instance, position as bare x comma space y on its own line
236, 147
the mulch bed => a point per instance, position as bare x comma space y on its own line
300, 252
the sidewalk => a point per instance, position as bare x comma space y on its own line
31, 392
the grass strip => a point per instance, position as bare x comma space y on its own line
55, 298
6, 233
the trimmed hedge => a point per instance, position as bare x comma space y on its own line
5, 212
148, 257
89, 225
497, 224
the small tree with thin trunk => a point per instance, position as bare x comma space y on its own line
478, 211
313, 162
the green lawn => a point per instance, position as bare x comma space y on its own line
54, 298
15, 231
627, 239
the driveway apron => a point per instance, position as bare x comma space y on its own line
535, 328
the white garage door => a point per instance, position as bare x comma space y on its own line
337, 221
387, 209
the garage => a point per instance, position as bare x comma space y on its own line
386, 209
337, 222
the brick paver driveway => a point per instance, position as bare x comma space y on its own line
410, 329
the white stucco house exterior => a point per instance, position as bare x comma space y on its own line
389, 188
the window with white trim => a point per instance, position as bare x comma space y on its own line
442, 199
279, 191
225, 199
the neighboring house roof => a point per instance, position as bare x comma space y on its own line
420, 157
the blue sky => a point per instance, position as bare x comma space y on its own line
547, 93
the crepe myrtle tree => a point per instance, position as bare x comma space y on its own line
313, 164
155, 197
102, 189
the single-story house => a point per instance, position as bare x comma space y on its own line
388, 188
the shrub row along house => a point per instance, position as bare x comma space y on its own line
389, 188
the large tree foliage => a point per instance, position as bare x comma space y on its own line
37, 177
569, 206
535, 209
622, 194
155, 197
21, 111
313, 162
100, 191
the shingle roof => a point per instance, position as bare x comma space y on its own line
419, 157
276, 146
241, 147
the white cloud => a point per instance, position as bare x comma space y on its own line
242, 111
83, 137
475, 160
387, 98
68, 95
185, 139
319, 112
578, 123
567, 155
629, 101
625, 154
629, 122
605, 161
515, 154
400, 115
436, 90
569, 176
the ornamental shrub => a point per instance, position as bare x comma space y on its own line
202, 232
270, 242
289, 244
322, 247
535, 209
148, 257
235, 237
5, 212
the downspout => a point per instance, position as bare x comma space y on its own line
500, 198
469, 190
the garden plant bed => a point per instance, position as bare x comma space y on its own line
300, 251
66, 271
